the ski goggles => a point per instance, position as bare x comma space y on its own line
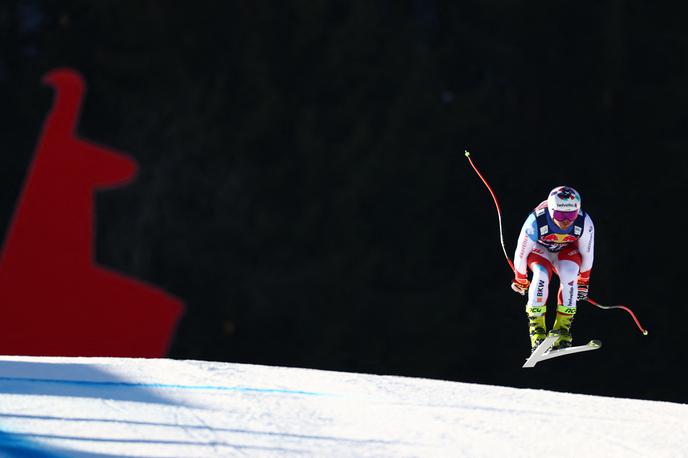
565, 216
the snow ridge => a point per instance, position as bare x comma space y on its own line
107, 407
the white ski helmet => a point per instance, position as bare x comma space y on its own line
563, 199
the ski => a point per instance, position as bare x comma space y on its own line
540, 350
549, 354
592, 345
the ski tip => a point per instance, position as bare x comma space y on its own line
529, 363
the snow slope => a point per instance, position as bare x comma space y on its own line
105, 407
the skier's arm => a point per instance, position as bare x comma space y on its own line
586, 247
526, 242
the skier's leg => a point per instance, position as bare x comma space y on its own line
539, 286
568, 267
536, 308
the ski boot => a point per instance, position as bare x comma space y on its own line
536, 326
562, 327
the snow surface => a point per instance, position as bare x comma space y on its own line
106, 407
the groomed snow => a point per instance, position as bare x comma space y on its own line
105, 407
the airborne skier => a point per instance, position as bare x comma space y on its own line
557, 237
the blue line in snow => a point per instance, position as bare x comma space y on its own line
14, 446
163, 386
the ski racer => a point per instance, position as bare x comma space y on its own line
557, 237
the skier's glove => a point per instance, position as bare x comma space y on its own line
583, 291
583, 286
520, 285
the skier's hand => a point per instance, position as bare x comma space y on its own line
520, 285
583, 287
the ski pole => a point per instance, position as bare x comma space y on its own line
499, 210
623, 307
511, 264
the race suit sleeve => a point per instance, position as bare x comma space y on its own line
586, 247
526, 242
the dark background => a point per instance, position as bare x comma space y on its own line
303, 186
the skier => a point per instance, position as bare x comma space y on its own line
557, 237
